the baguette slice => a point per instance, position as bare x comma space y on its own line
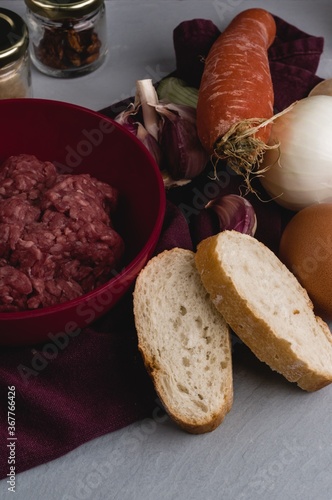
266, 307
185, 343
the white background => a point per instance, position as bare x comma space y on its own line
276, 444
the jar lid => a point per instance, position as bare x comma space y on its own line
14, 37
58, 9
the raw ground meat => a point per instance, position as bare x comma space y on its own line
25, 175
56, 234
15, 287
81, 197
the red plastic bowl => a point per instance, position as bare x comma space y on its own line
83, 141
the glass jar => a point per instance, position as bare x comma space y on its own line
15, 70
67, 38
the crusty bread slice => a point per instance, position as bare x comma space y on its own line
267, 308
184, 341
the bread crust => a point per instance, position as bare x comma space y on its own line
156, 365
268, 345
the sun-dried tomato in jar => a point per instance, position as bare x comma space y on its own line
67, 38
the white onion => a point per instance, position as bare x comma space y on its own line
322, 88
300, 171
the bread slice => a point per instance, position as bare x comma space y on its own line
266, 307
184, 341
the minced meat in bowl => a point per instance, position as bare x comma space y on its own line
77, 141
57, 237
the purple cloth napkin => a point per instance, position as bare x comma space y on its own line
294, 58
96, 383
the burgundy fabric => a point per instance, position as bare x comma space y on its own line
294, 58
83, 387
192, 41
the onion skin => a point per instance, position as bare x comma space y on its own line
299, 173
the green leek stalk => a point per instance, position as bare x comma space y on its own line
175, 90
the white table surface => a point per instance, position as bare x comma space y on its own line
276, 444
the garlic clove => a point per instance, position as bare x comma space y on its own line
184, 156
149, 142
234, 212
129, 121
